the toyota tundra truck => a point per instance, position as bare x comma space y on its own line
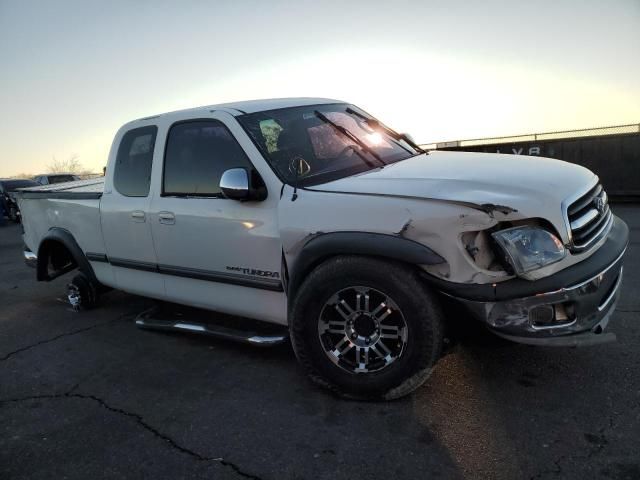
312, 215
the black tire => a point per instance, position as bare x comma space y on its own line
13, 215
401, 285
84, 291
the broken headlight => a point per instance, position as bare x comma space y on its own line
528, 248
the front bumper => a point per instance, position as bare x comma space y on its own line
572, 309
571, 316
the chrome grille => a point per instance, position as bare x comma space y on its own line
589, 218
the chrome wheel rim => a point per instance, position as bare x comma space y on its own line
74, 296
362, 330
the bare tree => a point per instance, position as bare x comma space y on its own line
22, 175
70, 165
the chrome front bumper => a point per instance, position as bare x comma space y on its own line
30, 258
571, 316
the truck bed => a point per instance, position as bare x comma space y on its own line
79, 189
73, 206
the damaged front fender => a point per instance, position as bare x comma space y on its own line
433, 225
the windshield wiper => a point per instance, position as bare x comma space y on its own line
395, 135
354, 139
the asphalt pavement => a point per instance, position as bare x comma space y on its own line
89, 395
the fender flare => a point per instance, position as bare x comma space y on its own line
326, 245
64, 237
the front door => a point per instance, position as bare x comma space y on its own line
213, 252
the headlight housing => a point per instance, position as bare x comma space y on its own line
529, 248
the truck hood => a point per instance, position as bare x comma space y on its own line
531, 186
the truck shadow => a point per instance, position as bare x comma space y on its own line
504, 410
491, 409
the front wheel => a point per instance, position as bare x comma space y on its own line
366, 328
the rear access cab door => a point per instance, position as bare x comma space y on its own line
124, 210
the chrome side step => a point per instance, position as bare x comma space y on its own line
218, 331
30, 258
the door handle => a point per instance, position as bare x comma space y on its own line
138, 216
166, 218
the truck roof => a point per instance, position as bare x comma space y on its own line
252, 106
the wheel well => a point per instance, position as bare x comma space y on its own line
54, 259
389, 247
59, 253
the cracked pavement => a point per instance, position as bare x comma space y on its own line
90, 395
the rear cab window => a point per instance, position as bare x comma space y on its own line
132, 174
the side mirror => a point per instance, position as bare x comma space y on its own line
238, 184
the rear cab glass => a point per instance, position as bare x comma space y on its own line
132, 174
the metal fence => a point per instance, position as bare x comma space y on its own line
613, 153
533, 137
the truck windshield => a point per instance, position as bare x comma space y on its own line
316, 144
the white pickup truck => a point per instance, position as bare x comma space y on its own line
311, 214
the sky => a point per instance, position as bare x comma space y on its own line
71, 73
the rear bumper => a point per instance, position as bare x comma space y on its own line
572, 312
30, 258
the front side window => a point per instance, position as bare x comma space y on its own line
198, 153
318, 143
132, 175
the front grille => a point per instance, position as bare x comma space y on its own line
589, 218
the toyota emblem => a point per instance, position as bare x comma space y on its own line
598, 202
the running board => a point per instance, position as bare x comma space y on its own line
218, 331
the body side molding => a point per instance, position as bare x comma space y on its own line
96, 257
195, 273
222, 277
